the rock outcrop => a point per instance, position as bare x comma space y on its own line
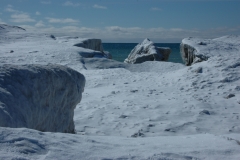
146, 51
195, 50
96, 45
39, 97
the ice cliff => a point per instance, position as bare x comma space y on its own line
195, 50
146, 51
41, 97
96, 45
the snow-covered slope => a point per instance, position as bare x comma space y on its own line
39, 97
31, 144
6, 28
153, 110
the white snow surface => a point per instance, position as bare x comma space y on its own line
153, 110
6, 28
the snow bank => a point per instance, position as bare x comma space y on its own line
36, 145
39, 97
6, 28
146, 51
195, 50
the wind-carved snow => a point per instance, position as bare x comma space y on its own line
152, 110
39, 97
146, 51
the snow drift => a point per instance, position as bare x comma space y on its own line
39, 97
146, 51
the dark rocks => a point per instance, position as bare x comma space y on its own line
123, 116
199, 70
133, 91
138, 134
229, 96
169, 130
53, 37
204, 112
202, 43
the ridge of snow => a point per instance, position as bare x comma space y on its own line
7, 28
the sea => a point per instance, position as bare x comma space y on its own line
120, 51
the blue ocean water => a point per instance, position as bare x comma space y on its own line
120, 51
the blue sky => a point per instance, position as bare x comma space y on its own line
125, 20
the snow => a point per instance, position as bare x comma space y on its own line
39, 97
6, 28
38, 145
152, 110
146, 51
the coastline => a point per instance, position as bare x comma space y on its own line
152, 110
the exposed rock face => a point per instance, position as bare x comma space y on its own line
146, 51
39, 97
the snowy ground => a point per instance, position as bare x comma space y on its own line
154, 110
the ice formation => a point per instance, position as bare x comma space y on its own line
195, 50
41, 97
146, 51
96, 45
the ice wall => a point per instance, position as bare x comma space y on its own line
94, 44
39, 97
146, 51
